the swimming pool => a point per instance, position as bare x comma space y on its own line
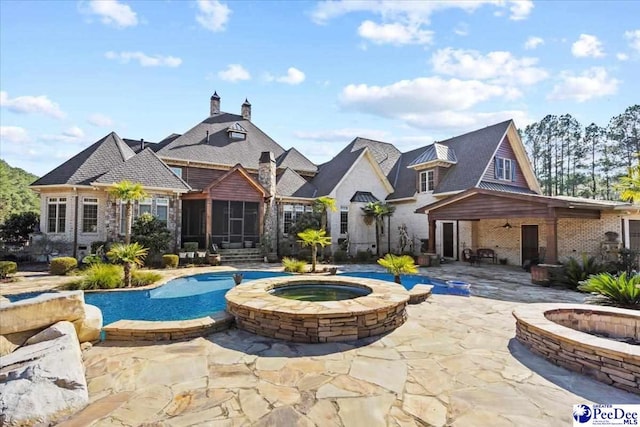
197, 296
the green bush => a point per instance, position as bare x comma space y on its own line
170, 261
340, 256
103, 276
99, 245
7, 268
190, 246
292, 265
92, 259
144, 278
576, 271
305, 254
62, 265
363, 256
620, 291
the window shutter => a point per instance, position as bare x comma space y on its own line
513, 171
495, 167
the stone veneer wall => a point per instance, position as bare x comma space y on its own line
316, 328
611, 362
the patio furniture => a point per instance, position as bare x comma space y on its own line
486, 253
469, 256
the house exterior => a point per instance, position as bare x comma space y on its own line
225, 181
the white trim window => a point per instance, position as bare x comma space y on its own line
505, 169
344, 219
56, 214
162, 210
89, 215
145, 206
290, 215
427, 181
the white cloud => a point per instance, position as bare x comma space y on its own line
395, 33
341, 135
622, 56
411, 11
293, 77
634, 39
13, 134
73, 134
533, 42
234, 73
144, 59
421, 95
465, 121
591, 83
520, 9
462, 29
498, 66
100, 120
587, 46
213, 15
112, 12
31, 104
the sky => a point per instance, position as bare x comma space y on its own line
317, 74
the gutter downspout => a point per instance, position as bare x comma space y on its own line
75, 229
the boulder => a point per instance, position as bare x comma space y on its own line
90, 326
10, 342
41, 311
44, 381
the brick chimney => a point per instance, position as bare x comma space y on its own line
215, 104
246, 111
267, 178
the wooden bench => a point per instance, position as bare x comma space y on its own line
485, 253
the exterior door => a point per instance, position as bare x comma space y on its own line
447, 240
529, 248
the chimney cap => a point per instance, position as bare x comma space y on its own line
215, 95
246, 102
266, 157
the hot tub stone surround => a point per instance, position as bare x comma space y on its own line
259, 312
541, 328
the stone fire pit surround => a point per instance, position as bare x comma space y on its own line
259, 312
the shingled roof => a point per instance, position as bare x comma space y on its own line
147, 169
219, 148
293, 159
330, 173
86, 166
290, 184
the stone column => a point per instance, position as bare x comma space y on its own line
267, 178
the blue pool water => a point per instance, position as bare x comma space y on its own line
200, 295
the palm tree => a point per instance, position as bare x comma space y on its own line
629, 186
314, 238
128, 192
322, 205
398, 265
376, 212
127, 255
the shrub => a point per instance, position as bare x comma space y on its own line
144, 278
363, 256
62, 265
92, 259
620, 291
151, 233
170, 261
103, 276
7, 268
340, 256
190, 246
292, 265
305, 254
576, 271
99, 246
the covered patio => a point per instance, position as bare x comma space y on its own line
522, 227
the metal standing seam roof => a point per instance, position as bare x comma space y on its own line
147, 169
435, 151
91, 163
364, 197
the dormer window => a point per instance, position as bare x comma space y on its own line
237, 132
427, 181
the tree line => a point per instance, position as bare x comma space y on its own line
572, 160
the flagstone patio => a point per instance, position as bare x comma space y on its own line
454, 362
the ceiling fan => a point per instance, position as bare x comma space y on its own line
507, 226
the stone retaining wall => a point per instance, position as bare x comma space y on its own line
259, 312
611, 362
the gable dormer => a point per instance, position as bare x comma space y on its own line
236, 132
431, 165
